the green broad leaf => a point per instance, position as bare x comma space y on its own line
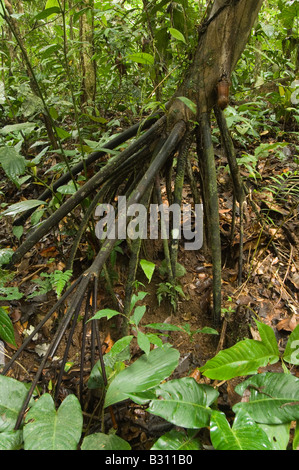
136, 298
177, 440
278, 435
274, 398
6, 328
142, 58
22, 206
10, 293
48, 12
267, 336
48, 429
245, 434
120, 351
138, 314
295, 444
155, 339
244, 358
291, 353
22, 126
190, 104
114, 363
164, 327
5, 255
98, 119
12, 396
180, 270
148, 268
175, 33
105, 313
145, 373
142, 398
184, 402
12, 163
11, 440
18, 231
52, 4
62, 134
47, 51
207, 330
69, 188
100, 441
143, 342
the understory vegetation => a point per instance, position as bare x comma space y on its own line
134, 343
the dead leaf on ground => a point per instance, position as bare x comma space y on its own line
288, 324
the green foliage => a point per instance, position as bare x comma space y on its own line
144, 374
48, 429
134, 317
148, 268
7, 292
182, 328
101, 441
261, 422
245, 357
245, 433
6, 328
48, 281
169, 291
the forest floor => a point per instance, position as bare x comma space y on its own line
269, 292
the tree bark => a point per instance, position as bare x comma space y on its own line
88, 65
222, 39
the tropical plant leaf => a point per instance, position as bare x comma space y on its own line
267, 336
138, 314
11, 440
48, 429
184, 402
12, 396
278, 434
177, 35
164, 327
105, 313
291, 353
244, 358
177, 440
148, 268
22, 206
114, 363
142, 58
296, 437
274, 398
12, 163
245, 434
100, 441
6, 328
5, 255
48, 12
22, 126
143, 342
145, 373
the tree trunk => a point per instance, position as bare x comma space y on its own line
222, 39
88, 64
14, 28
